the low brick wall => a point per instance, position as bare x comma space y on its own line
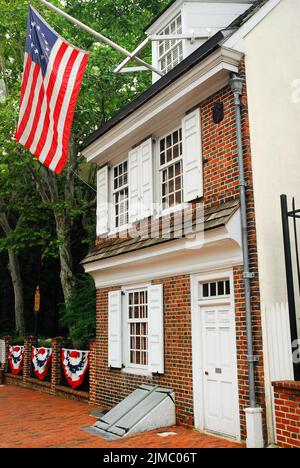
54, 386
287, 413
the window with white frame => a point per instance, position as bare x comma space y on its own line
120, 194
135, 329
136, 184
170, 164
170, 51
215, 289
138, 327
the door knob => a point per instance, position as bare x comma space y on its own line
206, 373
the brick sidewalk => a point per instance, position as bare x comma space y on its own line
33, 419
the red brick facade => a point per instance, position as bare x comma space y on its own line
111, 386
221, 183
287, 413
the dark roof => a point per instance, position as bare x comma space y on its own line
214, 217
189, 62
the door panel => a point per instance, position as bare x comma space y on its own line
219, 368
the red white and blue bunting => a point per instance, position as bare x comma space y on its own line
75, 364
41, 359
15, 358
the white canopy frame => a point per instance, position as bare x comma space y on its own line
102, 38
121, 68
154, 38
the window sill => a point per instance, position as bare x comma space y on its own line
173, 209
137, 371
119, 230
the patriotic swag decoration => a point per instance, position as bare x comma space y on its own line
15, 358
41, 359
75, 364
52, 76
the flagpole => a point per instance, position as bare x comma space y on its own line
101, 37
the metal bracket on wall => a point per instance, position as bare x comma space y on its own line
248, 275
252, 358
244, 183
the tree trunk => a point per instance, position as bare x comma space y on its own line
67, 277
14, 269
15, 273
49, 192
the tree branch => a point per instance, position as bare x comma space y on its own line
44, 195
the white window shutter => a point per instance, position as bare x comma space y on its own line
146, 178
156, 328
102, 201
115, 329
192, 156
133, 185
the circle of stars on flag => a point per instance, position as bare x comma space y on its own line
34, 27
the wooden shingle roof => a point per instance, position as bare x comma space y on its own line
214, 217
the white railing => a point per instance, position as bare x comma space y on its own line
277, 354
2, 352
279, 342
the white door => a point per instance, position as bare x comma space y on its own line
219, 368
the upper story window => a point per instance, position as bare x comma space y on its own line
170, 160
120, 194
170, 51
144, 185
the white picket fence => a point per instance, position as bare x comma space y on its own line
2, 352
277, 354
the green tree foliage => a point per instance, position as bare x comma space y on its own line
78, 314
44, 209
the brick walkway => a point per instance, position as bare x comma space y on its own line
33, 419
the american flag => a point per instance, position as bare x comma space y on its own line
52, 76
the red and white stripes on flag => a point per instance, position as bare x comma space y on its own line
52, 76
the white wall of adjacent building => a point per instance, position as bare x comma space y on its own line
273, 83
272, 70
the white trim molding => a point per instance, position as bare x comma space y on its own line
203, 80
218, 248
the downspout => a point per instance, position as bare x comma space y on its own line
236, 83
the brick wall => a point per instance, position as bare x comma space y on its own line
287, 413
112, 385
219, 151
221, 183
56, 367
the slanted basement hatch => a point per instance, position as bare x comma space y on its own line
146, 408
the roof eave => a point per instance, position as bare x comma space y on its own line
196, 57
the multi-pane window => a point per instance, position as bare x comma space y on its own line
120, 193
138, 327
219, 288
170, 51
170, 160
